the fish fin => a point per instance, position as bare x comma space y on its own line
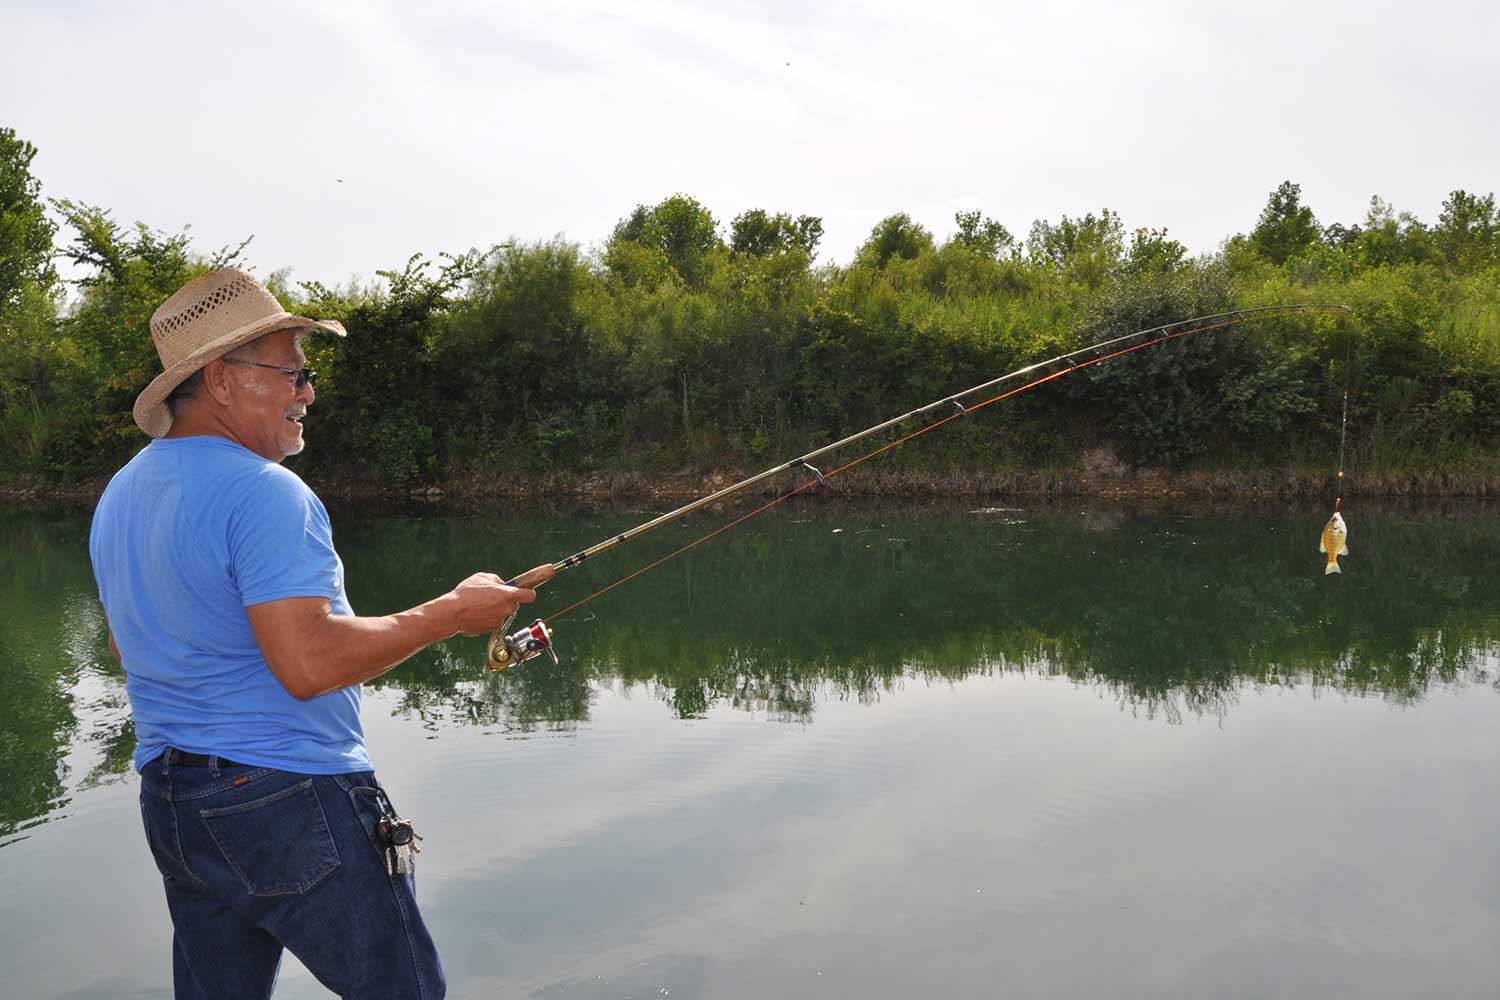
1344, 550
1321, 546
1333, 567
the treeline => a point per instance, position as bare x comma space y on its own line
685, 342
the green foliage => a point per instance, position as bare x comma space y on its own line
896, 237
73, 380
670, 349
37, 371
757, 233
383, 400
25, 231
1163, 405
1286, 227
529, 356
1468, 231
1085, 250
400, 445
1385, 240
982, 234
1153, 252
678, 233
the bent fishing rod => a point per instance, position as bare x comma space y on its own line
506, 648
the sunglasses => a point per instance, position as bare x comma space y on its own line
304, 376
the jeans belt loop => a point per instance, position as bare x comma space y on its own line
213, 766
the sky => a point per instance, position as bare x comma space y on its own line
347, 136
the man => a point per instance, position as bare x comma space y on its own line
226, 606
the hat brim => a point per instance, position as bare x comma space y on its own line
151, 412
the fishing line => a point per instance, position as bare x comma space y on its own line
1344, 422
1242, 316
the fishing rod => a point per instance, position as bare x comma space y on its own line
506, 648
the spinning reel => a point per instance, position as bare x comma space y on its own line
508, 648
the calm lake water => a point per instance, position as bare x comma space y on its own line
856, 751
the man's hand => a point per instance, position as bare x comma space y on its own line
483, 601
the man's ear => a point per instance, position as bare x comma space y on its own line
216, 381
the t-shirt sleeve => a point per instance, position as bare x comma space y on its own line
281, 542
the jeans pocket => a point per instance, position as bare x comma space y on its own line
278, 845
161, 838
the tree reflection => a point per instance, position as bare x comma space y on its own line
48, 630
1174, 614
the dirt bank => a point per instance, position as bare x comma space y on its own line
1096, 478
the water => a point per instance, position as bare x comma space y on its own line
863, 751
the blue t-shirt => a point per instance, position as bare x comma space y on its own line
190, 533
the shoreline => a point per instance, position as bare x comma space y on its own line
1113, 483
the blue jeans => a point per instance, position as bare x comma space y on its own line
255, 860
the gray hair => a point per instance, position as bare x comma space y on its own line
187, 389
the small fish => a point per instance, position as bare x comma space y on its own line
1335, 533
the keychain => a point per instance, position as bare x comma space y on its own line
399, 837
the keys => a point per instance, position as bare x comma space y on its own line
401, 847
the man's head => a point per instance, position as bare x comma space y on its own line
216, 336
255, 395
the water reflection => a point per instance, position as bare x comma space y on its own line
62, 692
1171, 612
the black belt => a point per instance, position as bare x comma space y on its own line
179, 758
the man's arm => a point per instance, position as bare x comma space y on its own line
313, 651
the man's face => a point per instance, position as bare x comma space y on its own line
267, 407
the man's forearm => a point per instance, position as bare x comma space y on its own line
313, 651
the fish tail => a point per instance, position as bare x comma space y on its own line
1332, 567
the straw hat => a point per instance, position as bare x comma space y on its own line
205, 319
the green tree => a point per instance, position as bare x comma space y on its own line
383, 399
678, 232
1385, 239
1087, 250
1162, 405
131, 272
25, 231
1153, 251
1341, 237
1286, 227
40, 383
982, 234
895, 237
1468, 231
34, 362
523, 359
757, 233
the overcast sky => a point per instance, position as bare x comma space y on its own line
347, 136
